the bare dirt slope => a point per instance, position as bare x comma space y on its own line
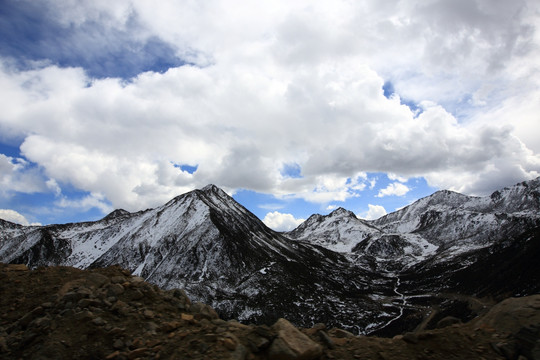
67, 313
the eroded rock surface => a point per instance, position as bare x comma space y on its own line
67, 313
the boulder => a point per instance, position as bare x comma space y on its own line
448, 321
291, 344
519, 320
513, 314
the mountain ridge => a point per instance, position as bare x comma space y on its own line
69, 313
356, 274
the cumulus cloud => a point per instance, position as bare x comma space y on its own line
18, 175
281, 222
86, 203
397, 189
374, 212
15, 217
395, 177
275, 84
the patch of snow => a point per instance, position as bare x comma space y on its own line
247, 313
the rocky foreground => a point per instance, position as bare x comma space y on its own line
67, 313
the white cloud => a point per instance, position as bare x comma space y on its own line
395, 177
397, 189
86, 203
322, 189
17, 175
271, 206
286, 83
15, 217
374, 212
281, 222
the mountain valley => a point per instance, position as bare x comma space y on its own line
446, 254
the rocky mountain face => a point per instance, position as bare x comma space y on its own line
107, 313
405, 270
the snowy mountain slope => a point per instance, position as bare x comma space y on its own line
359, 275
444, 244
408, 219
208, 244
440, 226
339, 231
522, 199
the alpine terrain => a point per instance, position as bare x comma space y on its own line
446, 254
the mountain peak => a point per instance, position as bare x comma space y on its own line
210, 188
213, 189
116, 213
340, 211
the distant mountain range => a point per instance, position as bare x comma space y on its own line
433, 258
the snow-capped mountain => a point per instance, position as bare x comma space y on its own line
444, 243
438, 227
208, 244
359, 275
339, 231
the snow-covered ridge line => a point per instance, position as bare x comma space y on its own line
219, 252
431, 225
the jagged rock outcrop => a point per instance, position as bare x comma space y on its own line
383, 276
107, 313
207, 243
338, 231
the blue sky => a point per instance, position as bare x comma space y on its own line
294, 108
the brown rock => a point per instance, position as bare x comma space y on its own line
291, 344
411, 338
229, 340
229, 343
3, 345
187, 317
257, 342
28, 317
85, 303
315, 329
447, 321
218, 322
153, 343
151, 327
235, 324
16, 267
325, 339
47, 305
264, 331
79, 286
512, 314
203, 311
340, 333
137, 343
116, 331
118, 344
340, 341
115, 290
170, 326
113, 355
41, 323
149, 314
73, 297
137, 353
240, 353
118, 279
136, 279
99, 321
121, 308
136, 295
97, 280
